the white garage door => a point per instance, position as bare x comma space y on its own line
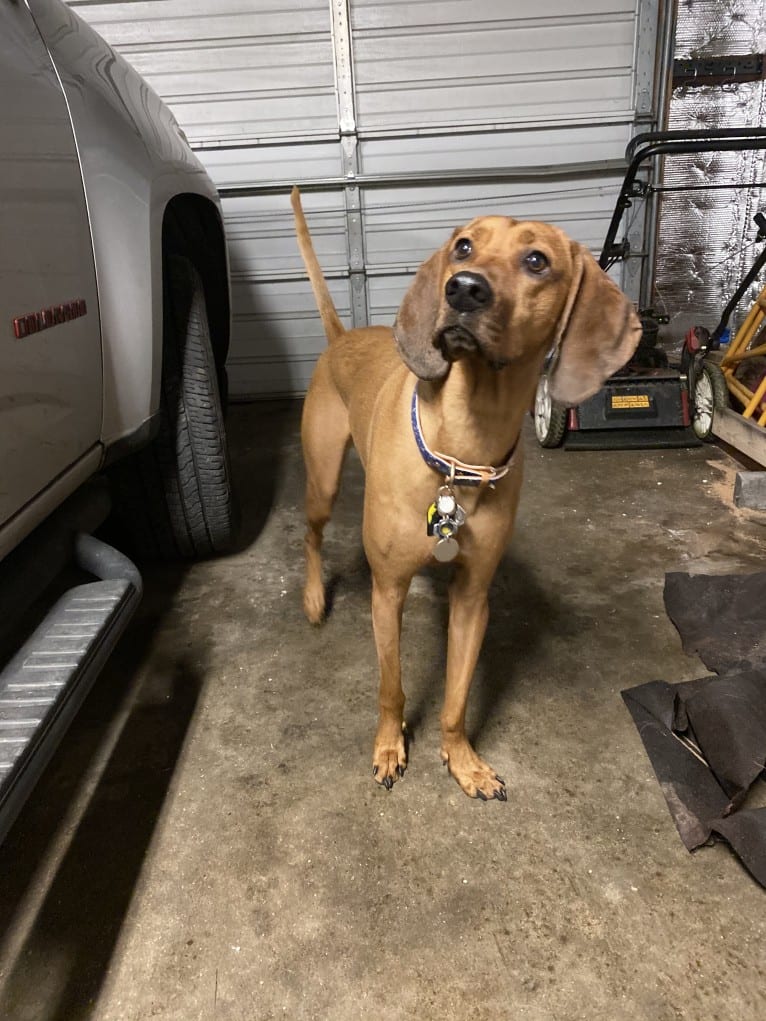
400, 119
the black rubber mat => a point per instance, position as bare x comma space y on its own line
706, 739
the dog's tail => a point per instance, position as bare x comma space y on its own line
330, 318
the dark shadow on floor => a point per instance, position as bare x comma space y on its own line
257, 434
523, 616
60, 967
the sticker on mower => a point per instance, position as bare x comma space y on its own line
630, 402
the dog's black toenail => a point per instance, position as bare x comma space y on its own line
388, 783
482, 795
500, 779
501, 795
400, 770
374, 770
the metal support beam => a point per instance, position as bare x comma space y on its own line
645, 61
424, 178
655, 34
666, 40
346, 99
354, 233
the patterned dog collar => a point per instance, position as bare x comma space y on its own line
454, 470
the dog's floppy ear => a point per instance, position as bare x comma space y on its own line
596, 335
415, 324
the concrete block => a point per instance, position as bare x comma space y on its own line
750, 490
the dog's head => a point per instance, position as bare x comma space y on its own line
507, 291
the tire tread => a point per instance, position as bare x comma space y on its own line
175, 496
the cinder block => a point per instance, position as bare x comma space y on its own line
750, 490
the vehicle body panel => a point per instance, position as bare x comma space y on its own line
93, 159
51, 383
100, 195
134, 160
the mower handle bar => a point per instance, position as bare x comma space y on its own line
659, 143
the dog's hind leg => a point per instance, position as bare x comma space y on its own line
325, 435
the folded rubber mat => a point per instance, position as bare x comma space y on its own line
706, 739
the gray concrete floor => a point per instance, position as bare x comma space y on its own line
209, 842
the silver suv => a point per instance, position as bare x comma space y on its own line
114, 329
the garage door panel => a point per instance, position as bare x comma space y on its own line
270, 377
228, 119
230, 70
493, 149
256, 70
425, 65
242, 167
283, 303
277, 298
385, 294
368, 15
456, 54
421, 89
262, 240
277, 335
165, 22
404, 225
406, 106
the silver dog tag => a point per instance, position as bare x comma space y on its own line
446, 549
446, 502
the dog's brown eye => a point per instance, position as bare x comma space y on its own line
536, 262
463, 248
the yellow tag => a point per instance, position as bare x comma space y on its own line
625, 402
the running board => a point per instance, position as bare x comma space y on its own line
44, 684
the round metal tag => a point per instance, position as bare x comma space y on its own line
445, 504
446, 549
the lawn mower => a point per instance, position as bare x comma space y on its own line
653, 402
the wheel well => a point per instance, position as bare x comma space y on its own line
192, 227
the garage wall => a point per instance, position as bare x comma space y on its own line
400, 119
707, 233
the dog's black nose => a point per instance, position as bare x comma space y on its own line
468, 292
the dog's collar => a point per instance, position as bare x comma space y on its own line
457, 472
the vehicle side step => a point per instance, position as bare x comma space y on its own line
44, 684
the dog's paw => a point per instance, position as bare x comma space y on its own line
476, 778
314, 603
389, 761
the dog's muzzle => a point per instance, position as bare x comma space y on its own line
467, 294
455, 341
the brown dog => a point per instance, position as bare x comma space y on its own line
469, 340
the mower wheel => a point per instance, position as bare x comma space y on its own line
710, 394
550, 418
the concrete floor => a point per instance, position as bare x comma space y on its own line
209, 842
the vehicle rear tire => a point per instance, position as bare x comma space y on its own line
174, 497
710, 394
550, 419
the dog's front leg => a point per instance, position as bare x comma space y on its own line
468, 615
389, 756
